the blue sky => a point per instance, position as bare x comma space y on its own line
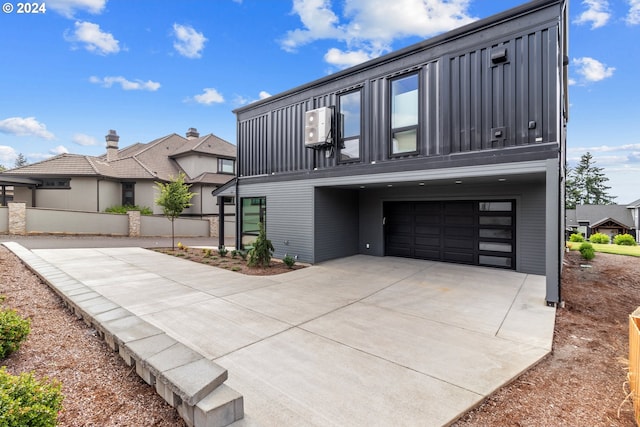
149, 68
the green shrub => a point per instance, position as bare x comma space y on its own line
13, 331
234, 253
123, 209
587, 251
260, 254
25, 401
624, 239
576, 237
222, 251
599, 238
289, 260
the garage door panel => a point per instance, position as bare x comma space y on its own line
468, 232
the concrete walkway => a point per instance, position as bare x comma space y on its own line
359, 341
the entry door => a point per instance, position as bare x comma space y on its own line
466, 232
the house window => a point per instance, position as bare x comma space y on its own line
350, 105
253, 212
128, 194
56, 183
226, 166
228, 200
404, 114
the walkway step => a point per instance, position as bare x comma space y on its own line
184, 378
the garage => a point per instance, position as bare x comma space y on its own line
477, 232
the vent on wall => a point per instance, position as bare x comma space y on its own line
317, 127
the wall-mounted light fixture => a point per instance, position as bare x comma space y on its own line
498, 55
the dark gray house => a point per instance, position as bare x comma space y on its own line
606, 219
450, 150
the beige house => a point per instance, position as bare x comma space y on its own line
127, 176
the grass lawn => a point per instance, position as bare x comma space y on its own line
609, 249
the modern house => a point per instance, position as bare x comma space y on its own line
606, 219
452, 149
127, 176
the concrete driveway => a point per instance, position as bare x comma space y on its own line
359, 341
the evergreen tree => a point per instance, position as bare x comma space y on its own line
174, 197
21, 160
586, 184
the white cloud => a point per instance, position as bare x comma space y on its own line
67, 8
370, 26
7, 156
605, 148
633, 17
592, 70
93, 38
25, 126
60, 149
340, 59
188, 42
84, 140
264, 94
210, 96
125, 84
597, 13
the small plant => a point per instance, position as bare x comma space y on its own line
587, 251
624, 239
289, 260
599, 238
576, 237
13, 331
123, 209
222, 251
25, 401
243, 255
180, 246
236, 268
234, 253
260, 254
207, 253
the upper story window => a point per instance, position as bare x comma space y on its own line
226, 166
404, 114
349, 119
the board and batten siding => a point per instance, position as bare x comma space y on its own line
463, 98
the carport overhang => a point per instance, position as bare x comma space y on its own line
541, 171
15, 181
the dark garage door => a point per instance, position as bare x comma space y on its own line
467, 232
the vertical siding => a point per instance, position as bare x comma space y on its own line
479, 95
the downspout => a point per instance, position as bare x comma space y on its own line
237, 197
98, 195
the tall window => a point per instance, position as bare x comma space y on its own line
254, 211
404, 114
350, 126
128, 194
226, 166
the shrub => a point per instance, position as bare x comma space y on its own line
243, 255
624, 239
289, 260
260, 254
576, 237
13, 331
207, 252
587, 251
599, 238
222, 251
123, 209
234, 253
26, 401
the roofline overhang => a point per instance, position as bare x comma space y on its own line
15, 180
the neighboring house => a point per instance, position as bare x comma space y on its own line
127, 176
606, 219
452, 149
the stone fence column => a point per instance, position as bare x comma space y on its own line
134, 223
17, 218
214, 222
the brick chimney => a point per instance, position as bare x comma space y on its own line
192, 133
112, 145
